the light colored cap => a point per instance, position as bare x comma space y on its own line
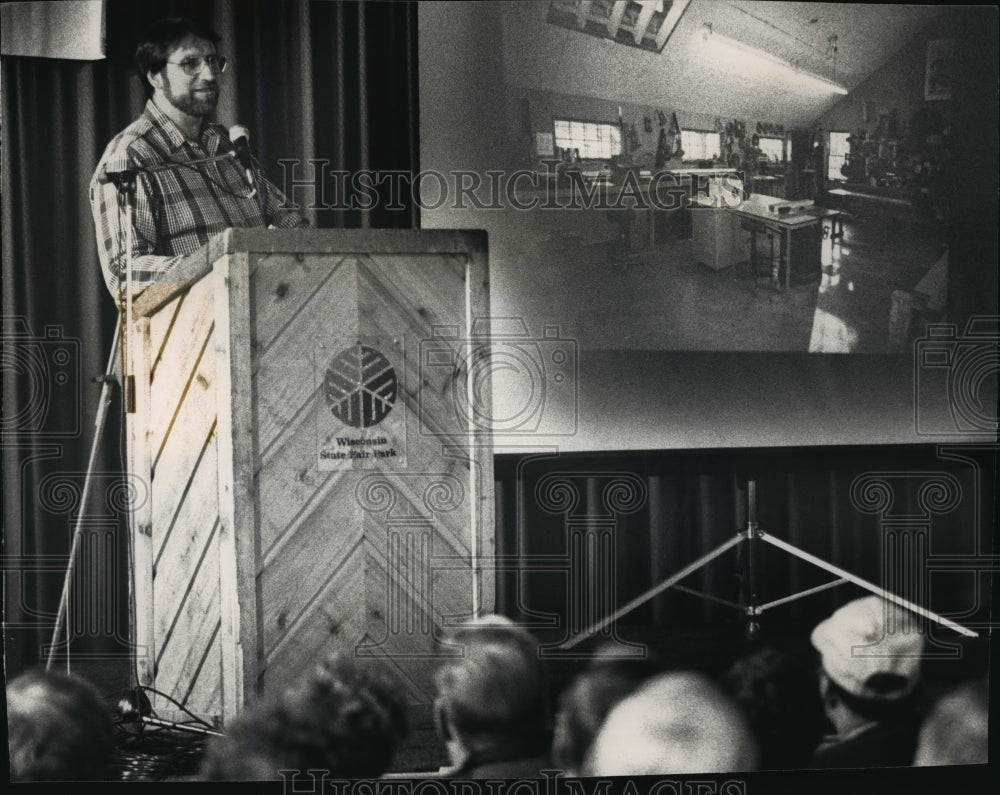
871, 637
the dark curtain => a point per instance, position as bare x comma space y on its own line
581, 535
971, 176
312, 80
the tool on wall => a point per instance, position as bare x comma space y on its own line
633, 138
662, 150
675, 132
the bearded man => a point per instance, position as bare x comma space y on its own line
189, 184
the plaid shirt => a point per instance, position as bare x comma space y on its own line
178, 209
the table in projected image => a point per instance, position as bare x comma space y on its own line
799, 235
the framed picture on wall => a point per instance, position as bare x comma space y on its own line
938, 69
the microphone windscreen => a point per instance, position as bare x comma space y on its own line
238, 131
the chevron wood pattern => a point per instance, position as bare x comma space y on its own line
181, 579
357, 561
370, 555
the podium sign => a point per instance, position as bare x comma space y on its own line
314, 485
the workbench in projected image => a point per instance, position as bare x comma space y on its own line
794, 239
717, 239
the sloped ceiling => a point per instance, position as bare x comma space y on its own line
544, 56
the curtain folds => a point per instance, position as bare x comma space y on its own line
313, 81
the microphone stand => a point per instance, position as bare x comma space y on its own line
107, 383
125, 182
127, 187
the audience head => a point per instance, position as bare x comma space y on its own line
779, 695
586, 702
59, 728
491, 694
345, 718
870, 655
956, 729
676, 723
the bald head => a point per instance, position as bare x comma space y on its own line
956, 732
676, 723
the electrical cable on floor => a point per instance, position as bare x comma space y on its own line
155, 754
148, 748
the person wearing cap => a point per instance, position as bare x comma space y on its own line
870, 653
201, 192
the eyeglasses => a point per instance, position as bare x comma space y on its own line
194, 64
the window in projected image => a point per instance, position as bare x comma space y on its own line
595, 140
775, 149
840, 147
698, 145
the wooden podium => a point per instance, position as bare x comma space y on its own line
313, 478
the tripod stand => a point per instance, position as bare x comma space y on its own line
107, 381
125, 182
119, 366
750, 538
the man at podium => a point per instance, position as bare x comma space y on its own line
190, 180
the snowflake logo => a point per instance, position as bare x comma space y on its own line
360, 386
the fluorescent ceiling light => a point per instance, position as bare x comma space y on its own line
736, 56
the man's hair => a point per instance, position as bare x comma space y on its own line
59, 728
779, 695
346, 717
586, 702
161, 37
495, 689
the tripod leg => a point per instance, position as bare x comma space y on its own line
875, 589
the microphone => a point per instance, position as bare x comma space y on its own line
240, 136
